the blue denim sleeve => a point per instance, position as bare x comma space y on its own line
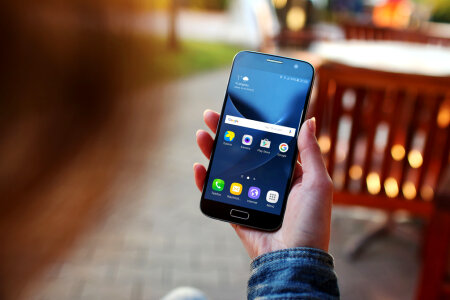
296, 273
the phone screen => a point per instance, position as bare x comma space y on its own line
255, 148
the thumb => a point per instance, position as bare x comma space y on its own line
311, 158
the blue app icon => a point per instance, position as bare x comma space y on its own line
254, 192
229, 136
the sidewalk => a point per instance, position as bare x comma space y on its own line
159, 239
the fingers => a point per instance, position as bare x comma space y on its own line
205, 142
310, 155
297, 171
211, 119
199, 175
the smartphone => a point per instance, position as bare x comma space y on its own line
255, 148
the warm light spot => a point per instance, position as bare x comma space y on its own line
324, 144
279, 4
340, 156
338, 178
427, 193
296, 18
415, 158
391, 187
443, 118
373, 183
409, 190
398, 152
355, 172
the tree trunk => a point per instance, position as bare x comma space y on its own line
173, 42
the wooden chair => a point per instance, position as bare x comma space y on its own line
370, 32
385, 139
434, 280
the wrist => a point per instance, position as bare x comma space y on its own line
296, 252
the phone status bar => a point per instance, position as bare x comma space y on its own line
295, 79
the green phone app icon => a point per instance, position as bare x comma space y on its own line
218, 185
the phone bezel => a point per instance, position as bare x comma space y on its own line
259, 219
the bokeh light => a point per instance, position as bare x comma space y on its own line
443, 118
409, 190
415, 158
398, 152
373, 183
296, 18
355, 172
391, 187
324, 143
427, 193
279, 4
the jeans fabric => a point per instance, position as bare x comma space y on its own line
296, 273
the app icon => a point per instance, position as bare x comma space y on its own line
254, 192
284, 147
247, 139
229, 136
218, 185
265, 143
236, 188
272, 196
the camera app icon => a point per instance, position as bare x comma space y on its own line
247, 139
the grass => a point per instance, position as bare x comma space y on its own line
191, 57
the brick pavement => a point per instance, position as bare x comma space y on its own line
158, 239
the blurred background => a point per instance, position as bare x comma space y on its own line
381, 98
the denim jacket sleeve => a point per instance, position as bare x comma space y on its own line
296, 273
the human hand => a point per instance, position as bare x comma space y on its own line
308, 212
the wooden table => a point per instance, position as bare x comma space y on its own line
390, 56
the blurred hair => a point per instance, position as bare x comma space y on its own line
67, 68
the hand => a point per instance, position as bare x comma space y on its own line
308, 212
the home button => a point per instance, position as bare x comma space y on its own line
239, 214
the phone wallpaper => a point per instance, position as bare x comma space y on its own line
251, 165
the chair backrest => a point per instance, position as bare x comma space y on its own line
383, 135
357, 31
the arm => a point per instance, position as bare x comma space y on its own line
295, 273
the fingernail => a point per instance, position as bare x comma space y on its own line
207, 110
194, 165
197, 132
312, 124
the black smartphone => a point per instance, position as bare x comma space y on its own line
255, 148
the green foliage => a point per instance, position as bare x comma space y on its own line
441, 11
218, 5
208, 4
191, 57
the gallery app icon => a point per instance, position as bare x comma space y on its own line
284, 147
247, 139
236, 188
265, 143
218, 185
254, 192
272, 196
229, 136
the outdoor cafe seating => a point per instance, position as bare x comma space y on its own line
385, 137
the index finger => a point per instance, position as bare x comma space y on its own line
211, 119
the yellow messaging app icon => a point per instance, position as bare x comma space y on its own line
236, 188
